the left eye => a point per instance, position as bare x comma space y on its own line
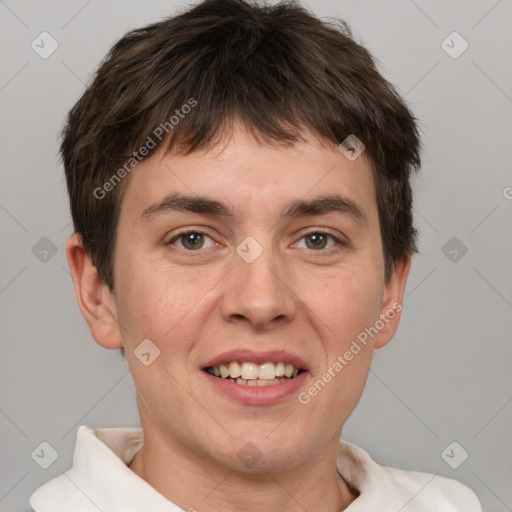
318, 240
194, 240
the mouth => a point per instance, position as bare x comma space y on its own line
253, 374
253, 378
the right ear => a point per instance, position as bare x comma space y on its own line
95, 300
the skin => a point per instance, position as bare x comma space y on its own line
312, 302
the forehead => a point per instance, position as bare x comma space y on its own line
242, 177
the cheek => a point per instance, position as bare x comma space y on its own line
155, 304
351, 304
344, 305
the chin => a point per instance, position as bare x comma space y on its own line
259, 452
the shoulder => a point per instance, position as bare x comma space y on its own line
432, 492
391, 488
59, 493
99, 473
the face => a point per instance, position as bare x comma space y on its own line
261, 271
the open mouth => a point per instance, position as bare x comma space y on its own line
253, 374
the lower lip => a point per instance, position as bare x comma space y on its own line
257, 395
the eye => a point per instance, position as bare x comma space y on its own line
195, 240
190, 240
318, 240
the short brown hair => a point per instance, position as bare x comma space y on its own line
276, 69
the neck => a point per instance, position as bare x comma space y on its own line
197, 482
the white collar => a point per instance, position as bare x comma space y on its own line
100, 480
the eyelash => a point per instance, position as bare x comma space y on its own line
317, 232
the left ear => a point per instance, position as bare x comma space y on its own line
392, 302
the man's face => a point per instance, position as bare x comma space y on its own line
278, 288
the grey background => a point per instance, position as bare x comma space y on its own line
447, 374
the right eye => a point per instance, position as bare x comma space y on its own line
190, 240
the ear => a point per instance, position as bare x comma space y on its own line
95, 300
392, 302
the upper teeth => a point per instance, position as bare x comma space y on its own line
248, 371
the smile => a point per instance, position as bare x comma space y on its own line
253, 374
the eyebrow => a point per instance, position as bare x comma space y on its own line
176, 202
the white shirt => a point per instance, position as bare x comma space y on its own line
100, 480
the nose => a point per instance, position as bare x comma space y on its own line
259, 292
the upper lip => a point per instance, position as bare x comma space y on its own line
249, 356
